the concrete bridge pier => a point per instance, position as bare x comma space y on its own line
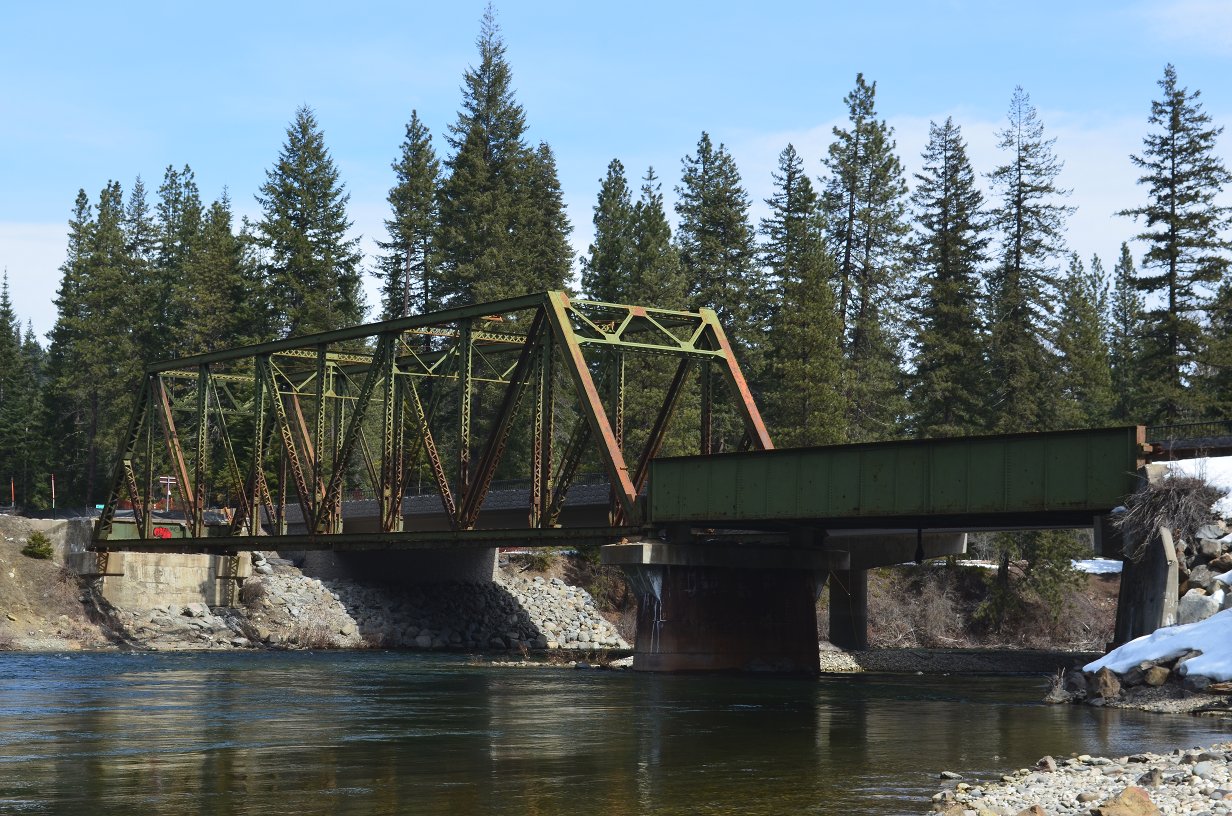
723, 607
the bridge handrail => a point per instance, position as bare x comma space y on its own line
1189, 430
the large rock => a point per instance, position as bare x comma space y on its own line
1133, 801
1156, 676
1106, 684
1200, 577
1209, 548
196, 610
1196, 605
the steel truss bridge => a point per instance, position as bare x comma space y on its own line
268, 444
304, 422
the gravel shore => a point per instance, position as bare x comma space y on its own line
1194, 781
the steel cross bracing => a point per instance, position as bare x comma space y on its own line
442, 399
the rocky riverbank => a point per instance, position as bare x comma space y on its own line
1194, 781
950, 661
282, 608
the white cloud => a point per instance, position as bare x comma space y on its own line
32, 254
1198, 24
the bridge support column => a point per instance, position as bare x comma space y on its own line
1147, 599
849, 609
722, 607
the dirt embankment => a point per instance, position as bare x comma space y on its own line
42, 605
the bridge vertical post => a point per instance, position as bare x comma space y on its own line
707, 429
465, 362
1148, 596
201, 465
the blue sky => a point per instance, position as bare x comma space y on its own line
96, 91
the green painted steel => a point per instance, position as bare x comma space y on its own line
1037, 476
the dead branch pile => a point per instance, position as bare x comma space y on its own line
1180, 503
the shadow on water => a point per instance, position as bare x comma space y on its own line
306, 733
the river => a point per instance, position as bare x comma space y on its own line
400, 733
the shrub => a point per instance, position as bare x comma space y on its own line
37, 546
252, 594
537, 560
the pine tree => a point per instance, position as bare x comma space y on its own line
178, 214
865, 204
310, 266
410, 279
1031, 221
63, 408
1125, 338
93, 361
657, 278
148, 300
1214, 377
32, 483
503, 230
11, 386
1185, 246
608, 269
1085, 376
717, 248
949, 385
221, 288
541, 228
804, 398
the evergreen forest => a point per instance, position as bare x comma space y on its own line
867, 305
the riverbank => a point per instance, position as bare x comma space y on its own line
1197, 780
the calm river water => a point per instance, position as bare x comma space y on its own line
371, 733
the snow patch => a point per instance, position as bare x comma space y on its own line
1212, 637
1216, 470
1098, 566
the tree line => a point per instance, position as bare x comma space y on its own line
864, 306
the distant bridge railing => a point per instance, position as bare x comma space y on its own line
1185, 440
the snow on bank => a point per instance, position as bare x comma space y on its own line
1098, 566
1091, 566
1216, 470
1212, 637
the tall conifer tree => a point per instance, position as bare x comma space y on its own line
542, 228
608, 268
949, 383
12, 387
410, 279
311, 267
716, 242
718, 257
64, 408
865, 204
1187, 253
657, 276
503, 230
225, 302
1125, 338
1031, 220
804, 394
1214, 377
32, 484
1085, 377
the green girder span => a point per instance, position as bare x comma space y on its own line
296, 416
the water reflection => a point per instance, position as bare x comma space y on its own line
301, 733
